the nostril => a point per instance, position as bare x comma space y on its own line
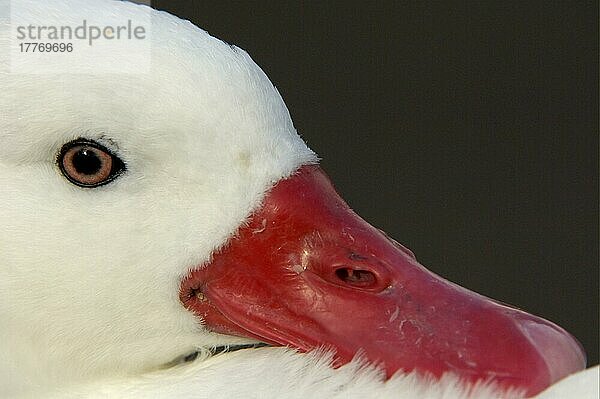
346, 268
356, 277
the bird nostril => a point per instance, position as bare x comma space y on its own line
356, 277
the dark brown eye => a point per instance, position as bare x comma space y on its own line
89, 164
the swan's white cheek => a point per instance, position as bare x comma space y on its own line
90, 278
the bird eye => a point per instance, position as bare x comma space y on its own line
88, 164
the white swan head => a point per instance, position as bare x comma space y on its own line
92, 276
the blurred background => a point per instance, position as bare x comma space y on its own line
466, 130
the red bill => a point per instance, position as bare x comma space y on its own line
307, 272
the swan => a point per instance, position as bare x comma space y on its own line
168, 233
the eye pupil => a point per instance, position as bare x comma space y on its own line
86, 161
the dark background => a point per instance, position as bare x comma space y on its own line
466, 130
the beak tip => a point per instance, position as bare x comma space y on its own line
562, 353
